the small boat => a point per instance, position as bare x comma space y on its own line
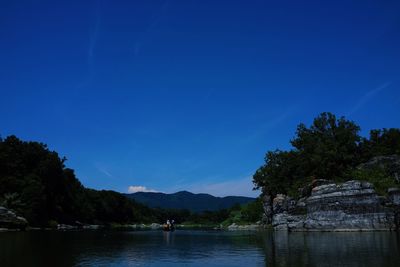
168, 227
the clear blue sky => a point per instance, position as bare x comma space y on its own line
175, 95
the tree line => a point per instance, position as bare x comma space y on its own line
35, 183
331, 148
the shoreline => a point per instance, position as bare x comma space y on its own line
195, 227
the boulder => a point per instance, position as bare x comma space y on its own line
247, 227
283, 203
394, 195
65, 227
155, 226
8, 219
92, 227
286, 221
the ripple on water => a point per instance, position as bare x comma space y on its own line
199, 248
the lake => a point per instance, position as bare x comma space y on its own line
198, 248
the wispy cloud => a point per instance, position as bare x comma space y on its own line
106, 172
94, 36
154, 21
363, 100
92, 45
271, 124
103, 170
140, 188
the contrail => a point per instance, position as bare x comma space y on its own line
367, 97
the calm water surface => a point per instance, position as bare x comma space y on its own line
198, 248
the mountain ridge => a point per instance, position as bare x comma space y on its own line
195, 202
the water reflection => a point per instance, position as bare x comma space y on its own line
199, 248
167, 237
331, 249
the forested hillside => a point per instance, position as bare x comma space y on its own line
37, 185
187, 200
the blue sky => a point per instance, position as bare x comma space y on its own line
189, 95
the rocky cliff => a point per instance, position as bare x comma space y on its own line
328, 206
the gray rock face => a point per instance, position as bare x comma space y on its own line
8, 219
394, 196
267, 216
249, 227
394, 201
351, 206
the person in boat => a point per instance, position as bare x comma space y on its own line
169, 226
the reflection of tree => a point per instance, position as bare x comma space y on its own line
266, 243
330, 249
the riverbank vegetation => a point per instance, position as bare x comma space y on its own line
332, 149
37, 185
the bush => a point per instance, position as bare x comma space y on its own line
378, 177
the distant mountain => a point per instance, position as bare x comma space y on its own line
188, 200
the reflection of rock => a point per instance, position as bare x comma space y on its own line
8, 219
353, 205
330, 249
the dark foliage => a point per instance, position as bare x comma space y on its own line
36, 184
330, 149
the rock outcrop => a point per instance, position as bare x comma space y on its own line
351, 206
8, 219
248, 227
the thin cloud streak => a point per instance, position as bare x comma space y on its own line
92, 46
93, 38
154, 21
362, 101
270, 125
103, 170
95, 32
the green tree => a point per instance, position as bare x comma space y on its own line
381, 143
281, 169
325, 150
36, 184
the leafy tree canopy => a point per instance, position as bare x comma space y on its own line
329, 149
